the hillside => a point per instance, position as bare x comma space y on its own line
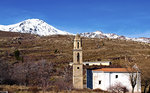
58, 48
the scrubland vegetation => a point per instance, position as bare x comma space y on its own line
30, 62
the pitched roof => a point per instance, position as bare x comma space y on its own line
115, 70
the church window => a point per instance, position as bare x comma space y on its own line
116, 76
78, 57
81, 43
100, 82
78, 45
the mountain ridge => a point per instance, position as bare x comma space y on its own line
33, 26
100, 34
39, 27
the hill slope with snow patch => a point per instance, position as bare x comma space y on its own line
99, 34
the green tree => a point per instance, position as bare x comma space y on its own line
17, 54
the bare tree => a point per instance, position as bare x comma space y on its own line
133, 72
42, 72
33, 73
68, 77
4, 69
145, 67
65, 82
118, 88
133, 80
20, 72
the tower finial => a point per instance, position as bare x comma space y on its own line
77, 36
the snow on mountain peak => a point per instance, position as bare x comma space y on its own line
33, 26
39, 27
99, 34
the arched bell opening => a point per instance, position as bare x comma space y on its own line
78, 57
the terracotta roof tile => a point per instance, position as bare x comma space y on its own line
115, 70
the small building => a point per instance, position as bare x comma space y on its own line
106, 78
103, 63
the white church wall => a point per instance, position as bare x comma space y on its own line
122, 79
100, 80
105, 80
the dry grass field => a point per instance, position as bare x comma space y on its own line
58, 49
24, 89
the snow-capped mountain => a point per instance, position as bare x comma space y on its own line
142, 39
33, 26
99, 34
39, 27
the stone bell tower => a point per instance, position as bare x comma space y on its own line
77, 63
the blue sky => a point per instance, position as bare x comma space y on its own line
123, 17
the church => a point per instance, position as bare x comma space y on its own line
108, 78
103, 78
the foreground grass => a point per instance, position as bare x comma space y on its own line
24, 89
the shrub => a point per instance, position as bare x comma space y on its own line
17, 54
118, 88
56, 51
